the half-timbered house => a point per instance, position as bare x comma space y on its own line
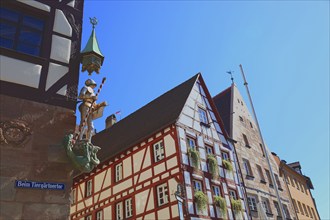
176, 140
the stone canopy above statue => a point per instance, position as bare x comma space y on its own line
91, 56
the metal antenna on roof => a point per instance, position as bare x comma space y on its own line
231, 74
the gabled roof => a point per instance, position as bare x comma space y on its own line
151, 118
222, 102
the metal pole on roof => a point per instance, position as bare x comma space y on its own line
263, 144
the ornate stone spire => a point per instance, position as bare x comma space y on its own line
91, 56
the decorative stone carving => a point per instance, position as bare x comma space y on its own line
14, 133
82, 154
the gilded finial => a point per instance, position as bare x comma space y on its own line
93, 21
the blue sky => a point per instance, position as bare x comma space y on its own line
150, 47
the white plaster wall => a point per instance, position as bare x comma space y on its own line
55, 72
36, 4
61, 24
20, 72
61, 49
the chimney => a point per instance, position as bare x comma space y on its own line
111, 120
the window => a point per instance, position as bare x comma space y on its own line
232, 194
262, 150
20, 31
89, 217
261, 174
202, 116
269, 178
302, 187
119, 211
128, 208
89, 188
265, 204
277, 207
225, 155
73, 196
297, 185
305, 210
159, 153
251, 125
209, 149
247, 167
309, 211
292, 183
216, 190
246, 141
197, 185
278, 181
119, 172
191, 143
99, 215
295, 205
313, 213
252, 202
300, 208
286, 211
162, 194
241, 119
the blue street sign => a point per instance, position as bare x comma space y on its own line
39, 185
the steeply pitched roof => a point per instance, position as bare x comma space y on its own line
149, 119
92, 45
222, 102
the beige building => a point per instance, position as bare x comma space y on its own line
171, 159
260, 189
299, 187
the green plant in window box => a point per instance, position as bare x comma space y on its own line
201, 200
236, 205
213, 165
227, 164
221, 203
194, 155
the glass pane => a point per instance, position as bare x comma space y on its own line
33, 22
9, 14
33, 50
8, 43
7, 30
30, 37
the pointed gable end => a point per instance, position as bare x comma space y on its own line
151, 118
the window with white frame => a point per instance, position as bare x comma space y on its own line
89, 188
232, 194
89, 217
225, 155
128, 208
119, 172
265, 204
73, 196
191, 143
159, 153
99, 215
119, 211
197, 185
252, 202
216, 190
202, 116
162, 194
209, 149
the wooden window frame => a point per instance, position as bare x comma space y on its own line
230, 191
119, 211
188, 138
89, 191
128, 206
247, 167
159, 152
252, 205
164, 187
97, 213
214, 191
207, 147
119, 175
225, 153
194, 185
204, 120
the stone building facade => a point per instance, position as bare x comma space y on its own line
261, 195
39, 67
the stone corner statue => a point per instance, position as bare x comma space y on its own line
79, 149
